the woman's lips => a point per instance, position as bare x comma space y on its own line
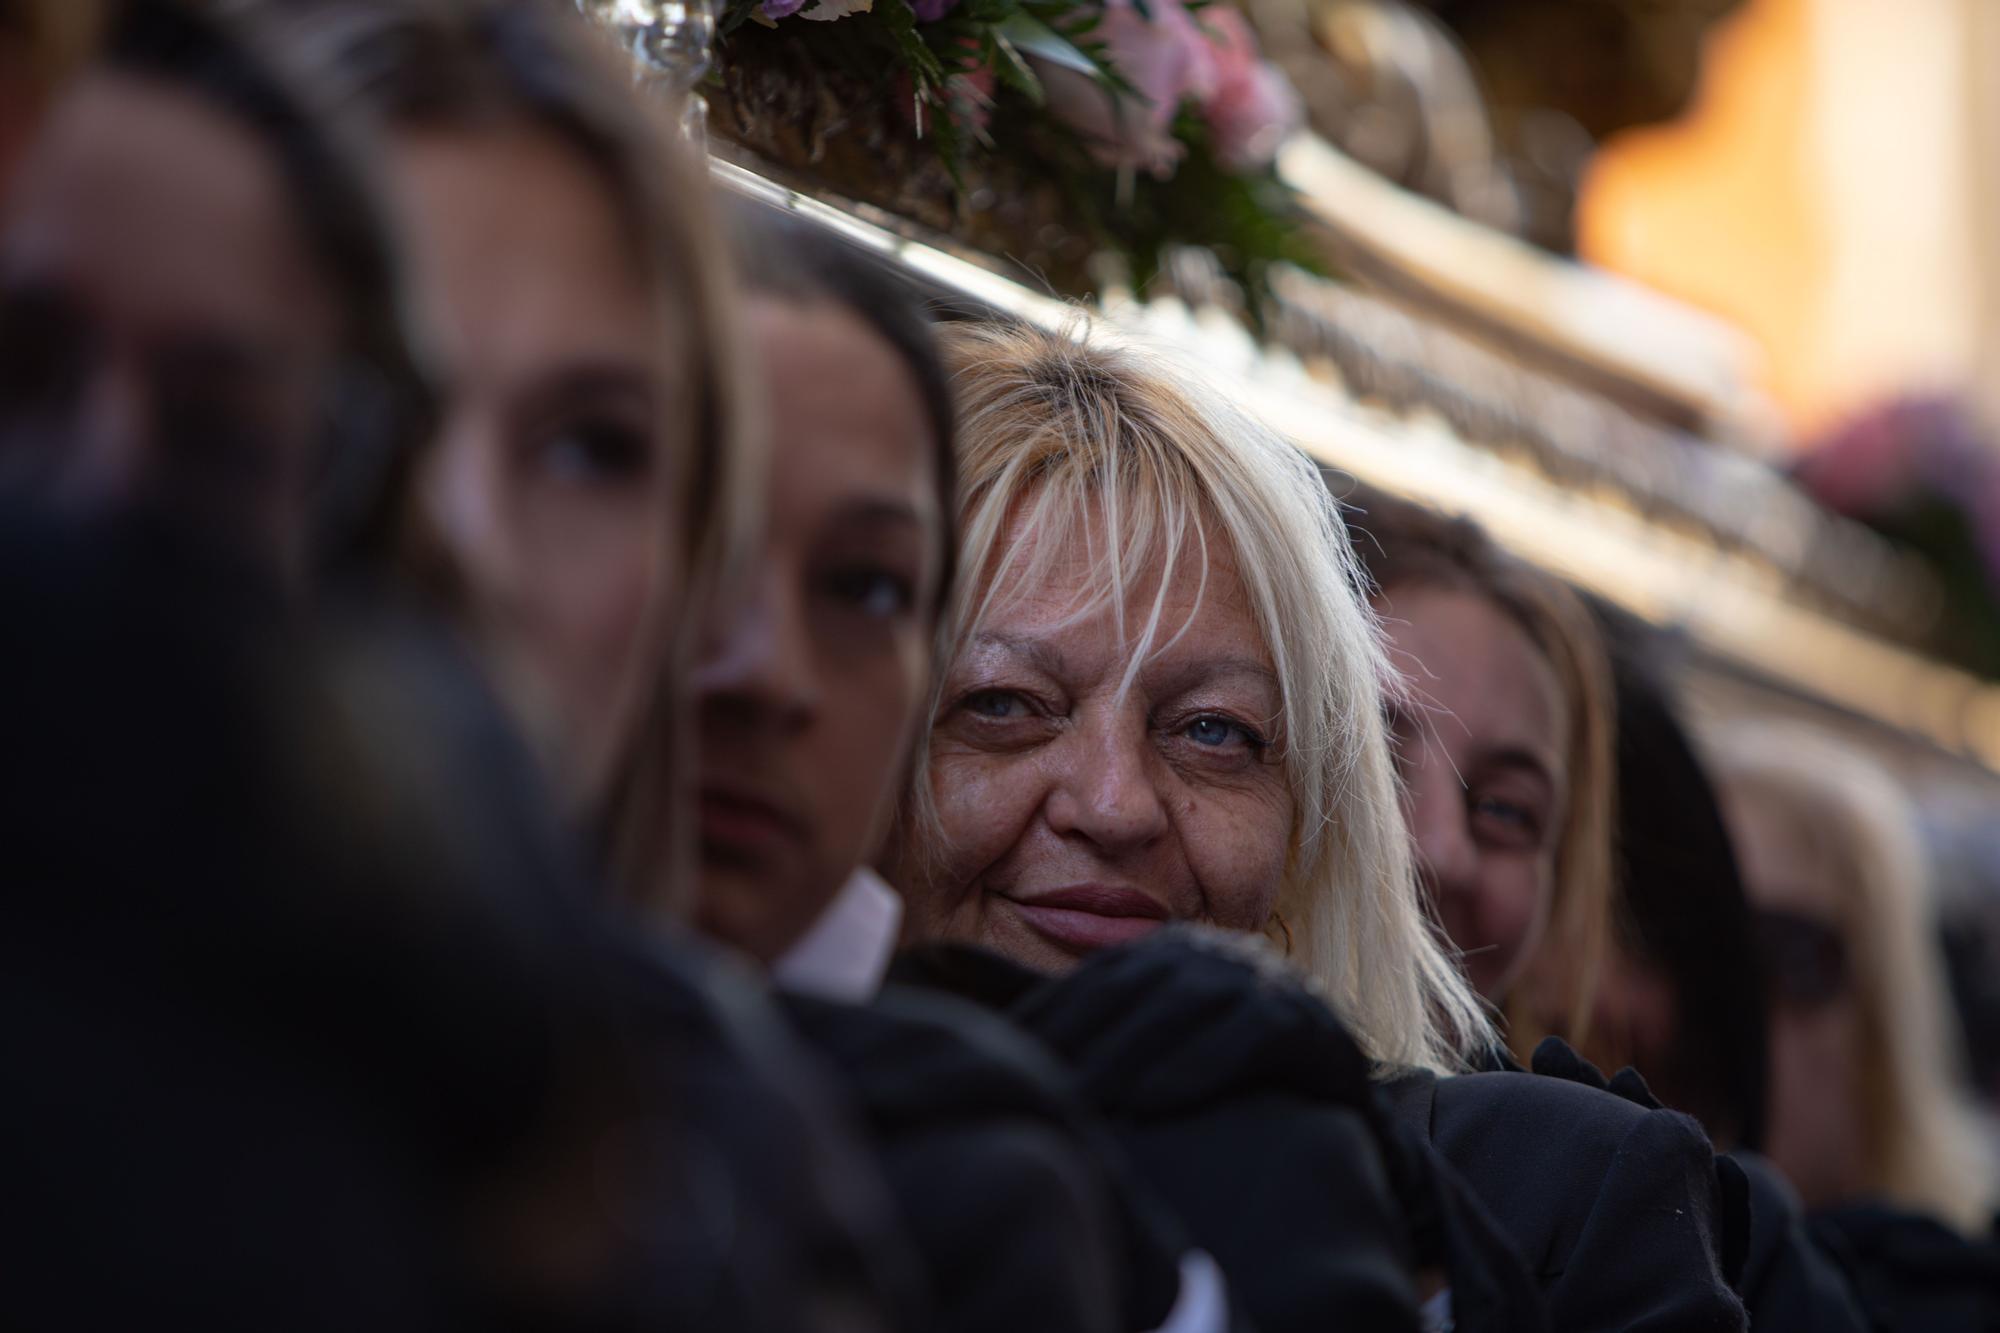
1090, 917
741, 823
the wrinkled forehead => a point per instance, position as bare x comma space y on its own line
1135, 580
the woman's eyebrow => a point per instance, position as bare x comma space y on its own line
596, 383
877, 512
1522, 758
1205, 670
1039, 653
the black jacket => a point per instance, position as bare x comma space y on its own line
1246, 1109
308, 1017
1017, 1203
1618, 1209
1789, 1279
762, 1207
1913, 1274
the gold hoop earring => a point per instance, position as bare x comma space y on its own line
1279, 918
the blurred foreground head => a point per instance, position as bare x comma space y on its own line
1162, 695
1867, 1098
41, 44
586, 484
197, 308
305, 1026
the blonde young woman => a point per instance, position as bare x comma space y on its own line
591, 478
1503, 730
1164, 701
591, 486
1866, 1104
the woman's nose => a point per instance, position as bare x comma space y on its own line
1446, 856
757, 665
1108, 790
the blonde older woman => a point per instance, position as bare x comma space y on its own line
1163, 701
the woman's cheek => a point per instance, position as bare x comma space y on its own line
978, 804
1239, 849
595, 614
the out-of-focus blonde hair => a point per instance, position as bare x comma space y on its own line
1078, 441
1404, 546
1925, 1145
456, 65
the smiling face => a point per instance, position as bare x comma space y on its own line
1079, 812
550, 480
811, 688
165, 336
1481, 747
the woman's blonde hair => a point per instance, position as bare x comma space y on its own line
1408, 546
450, 65
1066, 440
1926, 1148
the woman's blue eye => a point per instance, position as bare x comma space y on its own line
993, 703
1507, 821
1216, 732
1504, 811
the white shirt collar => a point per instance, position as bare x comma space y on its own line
845, 954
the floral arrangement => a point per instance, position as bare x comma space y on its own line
1157, 119
1924, 474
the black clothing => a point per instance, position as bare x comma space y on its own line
1789, 1281
308, 1017
1913, 1274
764, 1209
273, 1004
1246, 1109
1685, 912
1015, 1200
1785, 1280
1618, 1210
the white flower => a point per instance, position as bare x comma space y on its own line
828, 10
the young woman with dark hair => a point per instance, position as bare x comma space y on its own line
809, 694
812, 679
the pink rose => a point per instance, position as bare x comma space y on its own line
1166, 59
1253, 107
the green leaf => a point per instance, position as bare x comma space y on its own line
900, 20
1011, 68
1026, 33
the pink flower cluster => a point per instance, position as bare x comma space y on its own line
1208, 56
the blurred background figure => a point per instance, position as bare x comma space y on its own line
1682, 995
1867, 1100
1869, 1114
